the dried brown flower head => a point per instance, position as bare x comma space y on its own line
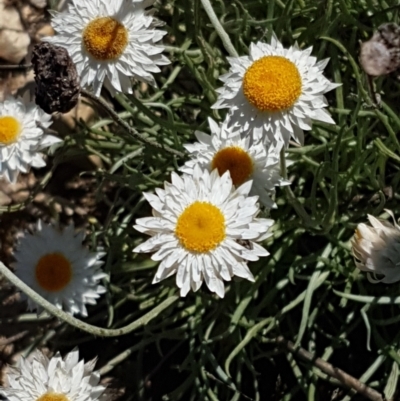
57, 85
381, 54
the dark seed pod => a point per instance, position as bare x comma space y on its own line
57, 84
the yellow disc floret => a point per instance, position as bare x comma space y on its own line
10, 128
105, 38
237, 161
53, 397
53, 272
200, 227
272, 83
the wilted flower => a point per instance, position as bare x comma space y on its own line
377, 249
381, 54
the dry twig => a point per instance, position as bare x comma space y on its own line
344, 378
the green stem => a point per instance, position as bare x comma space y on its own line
67, 318
226, 41
291, 196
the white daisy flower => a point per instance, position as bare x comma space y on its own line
203, 229
57, 379
56, 265
377, 249
246, 159
111, 42
22, 137
275, 91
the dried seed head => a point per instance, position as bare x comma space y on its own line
57, 85
381, 54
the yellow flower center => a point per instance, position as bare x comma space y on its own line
53, 397
105, 38
200, 227
236, 160
272, 83
10, 128
53, 272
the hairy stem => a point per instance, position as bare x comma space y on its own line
226, 41
67, 318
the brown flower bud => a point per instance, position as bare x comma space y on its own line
57, 84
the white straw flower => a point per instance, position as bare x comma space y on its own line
377, 249
57, 379
111, 42
198, 228
22, 137
245, 158
57, 266
276, 92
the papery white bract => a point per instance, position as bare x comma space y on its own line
41, 379
57, 266
275, 92
245, 157
198, 224
22, 137
377, 249
111, 42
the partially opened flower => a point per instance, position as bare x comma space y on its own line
58, 267
111, 42
246, 159
276, 92
22, 137
203, 229
377, 249
40, 379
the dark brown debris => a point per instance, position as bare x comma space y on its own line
57, 85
